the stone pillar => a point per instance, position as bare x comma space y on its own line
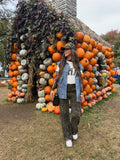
68, 7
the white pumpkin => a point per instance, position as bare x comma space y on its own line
47, 61
18, 77
20, 82
20, 67
42, 67
24, 76
24, 86
47, 76
24, 62
23, 70
41, 100
42, 55
22, 37
22, 45
40, 105
19, 87
24, 90
20, 100
41, 93
23, 53
43, 81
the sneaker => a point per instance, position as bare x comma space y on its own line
69, 143
75, 136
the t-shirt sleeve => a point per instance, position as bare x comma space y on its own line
57, 70
81, 67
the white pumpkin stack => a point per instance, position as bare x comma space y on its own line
23, 78
44, 77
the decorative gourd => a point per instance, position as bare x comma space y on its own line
23, 53
40, 105
94, 69
80, 52
22, 94
41, 100
20, 67
47, 61
50, 107
44, 109
25, 76
43, 81
56, 57
42, 67
47, 76
24, 62
18, 58
41, 93
20, 82
95, 80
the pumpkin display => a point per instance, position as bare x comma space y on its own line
59, 45
59, 35
23, 52
79, 36
80, 52
57, 110
50, 107
14, 56
50, 69
51, 49
40, 105
47, 89
84, 62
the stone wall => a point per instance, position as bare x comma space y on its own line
68, 7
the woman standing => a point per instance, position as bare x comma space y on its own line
68, 78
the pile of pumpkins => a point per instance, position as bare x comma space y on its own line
18, 74
97, 76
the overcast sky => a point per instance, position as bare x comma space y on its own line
100, 15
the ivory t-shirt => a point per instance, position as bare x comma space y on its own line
71, 73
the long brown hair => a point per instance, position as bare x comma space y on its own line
74, 59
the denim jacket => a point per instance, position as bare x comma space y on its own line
62, 87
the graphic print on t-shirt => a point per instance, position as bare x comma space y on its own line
71, 71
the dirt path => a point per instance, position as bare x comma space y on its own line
27, 134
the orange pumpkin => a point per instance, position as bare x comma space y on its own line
87, 88
93, 87
93, 61
10, 67
90, 81
92, 42
59, 45
14, 67
79, 36
14, 79
9, 95
89, 47
59, 35
86, 74
50, 107
15, 73
10, 74
86, 38
47, 89
84, 45
15, 84
56, 57
84, 62
51, 49
50, 81
85, 82
48, 98
89, 68
14, 56
17, 63
80, 52
88, 55
95, 51
99, 46
103, 49
10, 82
78, 45
92, 75
54, 74
50, 69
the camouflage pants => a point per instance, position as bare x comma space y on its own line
70, 123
